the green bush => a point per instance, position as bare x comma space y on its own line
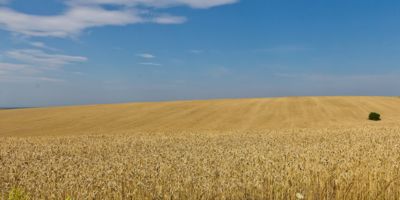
374, 116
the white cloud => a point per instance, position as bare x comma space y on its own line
41, 45
168, 19
33, 65
157, 3
69, 23
14, 72
38, 44
84, 14
150, 64
12, 67
146, 55
42, 59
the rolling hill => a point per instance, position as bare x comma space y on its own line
230, 114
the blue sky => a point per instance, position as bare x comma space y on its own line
65, 52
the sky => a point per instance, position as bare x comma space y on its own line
72, 52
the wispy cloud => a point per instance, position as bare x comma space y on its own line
38, 44
11, 72
146, 55
156, 3
41, 45
7, 68
70, 23
42, 59
33, 65
84, 14
150, 64
169, 19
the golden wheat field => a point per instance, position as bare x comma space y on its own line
278, 148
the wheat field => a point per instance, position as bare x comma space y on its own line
279, 148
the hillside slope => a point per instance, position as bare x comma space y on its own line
232, 114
